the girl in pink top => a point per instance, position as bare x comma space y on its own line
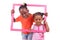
39, 27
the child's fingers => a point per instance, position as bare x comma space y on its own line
12, 11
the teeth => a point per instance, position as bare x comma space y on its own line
24, 14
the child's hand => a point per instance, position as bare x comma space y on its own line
12, 14
46, 14
12, 11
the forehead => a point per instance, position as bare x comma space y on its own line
38, 17
22, 8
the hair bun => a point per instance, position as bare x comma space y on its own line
25, 4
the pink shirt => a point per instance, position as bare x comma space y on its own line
38, 35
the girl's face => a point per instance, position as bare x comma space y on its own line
23, 11
38, 19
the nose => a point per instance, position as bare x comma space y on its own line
38, 20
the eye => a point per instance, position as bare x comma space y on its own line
39, 19
36, 19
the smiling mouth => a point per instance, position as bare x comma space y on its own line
24, 14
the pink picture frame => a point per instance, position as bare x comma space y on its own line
35, 5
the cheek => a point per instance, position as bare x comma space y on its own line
34, 20
25, 10
41, 20
21, 13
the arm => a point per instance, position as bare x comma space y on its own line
12, 14
14, 20
46, 26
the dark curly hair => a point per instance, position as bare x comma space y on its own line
23, 6
38, 13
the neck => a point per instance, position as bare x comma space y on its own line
38, 24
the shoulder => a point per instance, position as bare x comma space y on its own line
19, 16
30, 15
34, 26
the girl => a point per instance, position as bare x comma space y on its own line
38, 26
26, 19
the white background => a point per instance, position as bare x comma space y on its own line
53, 9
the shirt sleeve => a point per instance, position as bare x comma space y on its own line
32, 27
18, 19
